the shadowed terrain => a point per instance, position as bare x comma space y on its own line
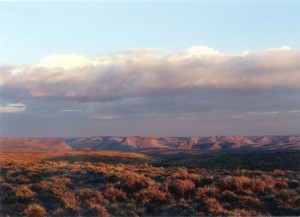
265, 161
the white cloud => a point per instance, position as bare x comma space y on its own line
198, 51
12, 108
67, 61
284, 47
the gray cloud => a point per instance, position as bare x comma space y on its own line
12, 108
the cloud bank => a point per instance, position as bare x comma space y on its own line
151, 73
198, 91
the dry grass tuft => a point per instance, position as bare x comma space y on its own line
35, 210
181, 188
23, 192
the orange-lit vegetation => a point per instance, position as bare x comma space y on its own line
45, 185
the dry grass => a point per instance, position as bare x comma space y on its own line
35, 210
67, 156
39, 185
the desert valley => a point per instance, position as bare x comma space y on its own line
149, 176
149, 108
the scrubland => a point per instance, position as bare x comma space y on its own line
41, 184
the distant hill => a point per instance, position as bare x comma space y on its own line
212, 143
136, 143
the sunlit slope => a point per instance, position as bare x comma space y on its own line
32, 145
111, 157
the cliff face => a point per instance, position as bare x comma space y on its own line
136, 143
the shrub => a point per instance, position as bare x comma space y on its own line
268, 180
195, 178
248, 200
233, 183
258, 186
153, 195
70, 201
97, 209
85, 193
42, 187
35, 210
181, 173
24, 192
246, 184
133, 181
114, 193
214, 208
181, 187
207, 191
243, 212
264, 185
61, 181
241, 200
92, 199
226, 183
22, 179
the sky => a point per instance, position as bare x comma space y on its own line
149, 68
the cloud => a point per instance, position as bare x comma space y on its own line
264, 113
12, 108
294, 111
66, 62
197, 52
71, 110
196, 91
151, 73
284, 47
104, 117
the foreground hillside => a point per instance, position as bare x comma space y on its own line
136, 144
37, 184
